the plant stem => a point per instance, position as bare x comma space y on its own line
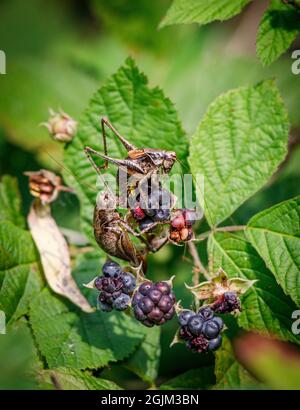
232, 228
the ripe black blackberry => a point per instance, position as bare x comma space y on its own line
153, 303
228, 302
154, 207
201, 330
115, 286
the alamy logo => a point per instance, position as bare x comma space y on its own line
2, 323
296, 63
2, 62
296, 323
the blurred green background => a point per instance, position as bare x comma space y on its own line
60, 51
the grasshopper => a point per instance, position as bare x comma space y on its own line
139, 160
111, 231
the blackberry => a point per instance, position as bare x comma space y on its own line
206, 313
198, 344
227, 303
129, 282
164, 287
184, 317
145, 287
219, 322
146, 305
210, 329
122, 302
115, 287
195, 324
200, 331
214, 344
111, 269
136, 298
170, 314
232, 300
105, 307
139, 314
153, 303
155, 295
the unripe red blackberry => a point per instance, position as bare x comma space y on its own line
138, 213
153, 303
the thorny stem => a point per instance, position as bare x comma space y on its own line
232, 228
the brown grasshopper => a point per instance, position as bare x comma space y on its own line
110, 229
139, 161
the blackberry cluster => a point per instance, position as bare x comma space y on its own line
181, 225
156, 208
228, 302
153, 303
201, 331
115, 286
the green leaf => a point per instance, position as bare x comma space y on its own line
30, 89
69, 337
145, 360
202, 11
195, 379
143, 115
278, 28
229, 373
18, 357
238, 145
64, 378
275, 234
20, 276
10, 201
266, 308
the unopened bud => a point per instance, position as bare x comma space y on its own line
61, 126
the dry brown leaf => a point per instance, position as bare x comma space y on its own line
54, 254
